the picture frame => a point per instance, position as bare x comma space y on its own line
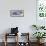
17, 13
41, 8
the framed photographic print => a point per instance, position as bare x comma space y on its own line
17, 13
41, 8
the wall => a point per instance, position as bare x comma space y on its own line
24, 23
